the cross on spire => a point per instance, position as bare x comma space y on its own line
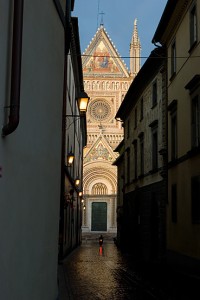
102, 13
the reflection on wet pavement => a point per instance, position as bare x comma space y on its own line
93, 272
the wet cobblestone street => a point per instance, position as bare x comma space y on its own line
87, 273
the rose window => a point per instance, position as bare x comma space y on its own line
100, 110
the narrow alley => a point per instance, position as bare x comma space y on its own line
92, 272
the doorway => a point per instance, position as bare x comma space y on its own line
99, 216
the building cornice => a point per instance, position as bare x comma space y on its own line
171, 16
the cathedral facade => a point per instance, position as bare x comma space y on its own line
106, 81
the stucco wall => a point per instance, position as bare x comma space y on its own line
183, 235
30, 156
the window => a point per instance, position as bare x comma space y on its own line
194, 88
195, 126
154, 93
174, 137
174, 203
154, 148
195, 194
99, 110
135, 118
141, 137
154, 138
128, 129
193, 26
141, 109
128, 165
135, 158
99, 189
173, 58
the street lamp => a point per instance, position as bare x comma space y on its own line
83, 100
77, 181
70, 158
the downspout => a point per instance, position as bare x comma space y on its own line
156, 45
67, 38
16, 69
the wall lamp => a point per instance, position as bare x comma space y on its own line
77, 181
83, 100
70, 158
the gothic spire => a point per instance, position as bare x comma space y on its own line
135, 49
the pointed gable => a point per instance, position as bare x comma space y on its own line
100, 151
101, 57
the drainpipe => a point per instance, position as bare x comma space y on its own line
63, 150
16, 69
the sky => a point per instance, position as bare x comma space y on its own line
118, 20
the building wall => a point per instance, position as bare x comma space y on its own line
145, 190
183, 234
30, 157
150, 114
120, 196
143, 229
74, 130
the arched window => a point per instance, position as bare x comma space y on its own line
99, 189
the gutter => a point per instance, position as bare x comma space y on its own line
16, 69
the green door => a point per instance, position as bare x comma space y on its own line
99, 216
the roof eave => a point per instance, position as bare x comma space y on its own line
167, 13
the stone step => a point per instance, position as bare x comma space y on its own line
95, 236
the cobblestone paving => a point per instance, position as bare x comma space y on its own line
88, 274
